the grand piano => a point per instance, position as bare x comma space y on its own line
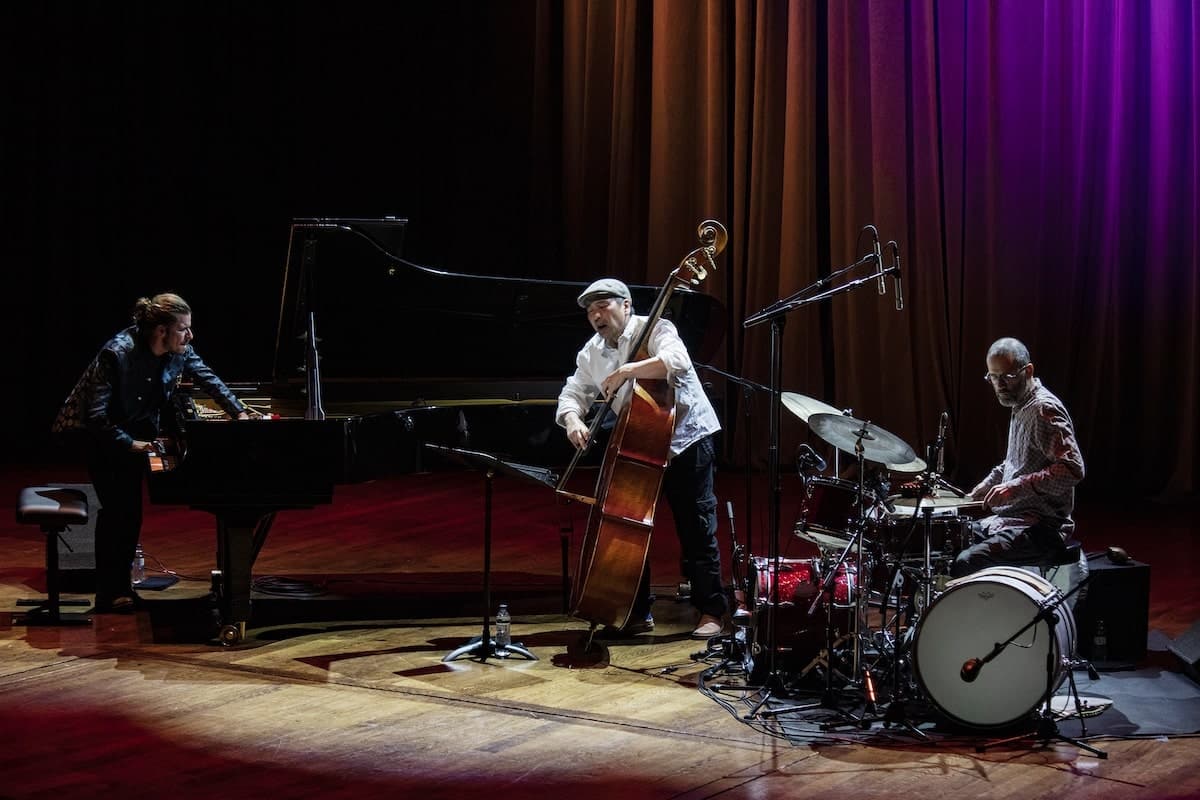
402, 355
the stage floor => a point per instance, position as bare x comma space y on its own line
340, 690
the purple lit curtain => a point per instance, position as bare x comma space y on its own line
1035, 162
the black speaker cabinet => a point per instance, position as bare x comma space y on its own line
1187, 649
1119, 596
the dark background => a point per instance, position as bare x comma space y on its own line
1035, 163
156, 149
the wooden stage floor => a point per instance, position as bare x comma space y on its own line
340, 690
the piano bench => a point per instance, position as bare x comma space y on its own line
53, 509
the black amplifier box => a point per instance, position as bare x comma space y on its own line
1118, 596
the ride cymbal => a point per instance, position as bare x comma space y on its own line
847, 433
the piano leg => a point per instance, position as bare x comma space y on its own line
240, 535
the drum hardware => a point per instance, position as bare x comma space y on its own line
823, 659
929, 480
896, 712
847, 433
774, 315
1046, 730
733, 647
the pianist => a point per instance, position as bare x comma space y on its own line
1031, 493
688, 481
116, 406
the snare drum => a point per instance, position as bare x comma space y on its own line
948, 536
966, 622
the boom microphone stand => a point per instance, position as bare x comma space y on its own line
1047, 729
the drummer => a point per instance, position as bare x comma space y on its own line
1031, 493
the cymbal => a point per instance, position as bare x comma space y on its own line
877, 444
804, 406
912, 467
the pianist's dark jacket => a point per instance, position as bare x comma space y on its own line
122, 393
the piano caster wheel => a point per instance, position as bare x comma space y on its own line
232, 633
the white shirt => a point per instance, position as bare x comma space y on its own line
694, 414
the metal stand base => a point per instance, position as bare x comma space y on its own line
1046, 732
477, 647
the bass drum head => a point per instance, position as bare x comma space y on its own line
967, 621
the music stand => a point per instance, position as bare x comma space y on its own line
484, 646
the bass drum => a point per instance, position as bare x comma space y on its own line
966, 622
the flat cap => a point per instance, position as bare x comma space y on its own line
601, 289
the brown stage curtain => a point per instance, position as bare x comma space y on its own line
1036, 164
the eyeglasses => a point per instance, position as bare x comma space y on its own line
1003, 377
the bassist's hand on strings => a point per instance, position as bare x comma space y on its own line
615, 381
652, 368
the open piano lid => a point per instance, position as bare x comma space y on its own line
392, 330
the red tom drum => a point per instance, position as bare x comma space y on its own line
798, 579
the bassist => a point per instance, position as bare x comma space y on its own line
603, 365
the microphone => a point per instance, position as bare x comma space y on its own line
878, 257
970, 669
729, 509
896, 275
808, 460
880, 488
941, 441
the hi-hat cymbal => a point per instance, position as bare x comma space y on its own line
804, 406
845, 433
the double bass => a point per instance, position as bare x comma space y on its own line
621, 518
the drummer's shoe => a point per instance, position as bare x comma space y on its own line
709, 626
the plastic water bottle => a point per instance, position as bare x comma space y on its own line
137, 570
1100, 642
503, 631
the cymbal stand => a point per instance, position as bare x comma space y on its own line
774, 683
896, 712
